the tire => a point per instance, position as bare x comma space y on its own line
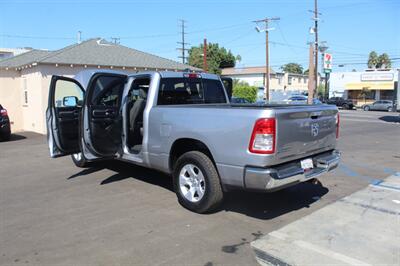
5, 137
346, 107
390, 109
79, 160
366, 108
196, 174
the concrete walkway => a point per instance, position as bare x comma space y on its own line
361, 229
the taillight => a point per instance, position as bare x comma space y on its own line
337, 125
263, 136
3, 112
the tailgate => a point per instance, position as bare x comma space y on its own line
305, 130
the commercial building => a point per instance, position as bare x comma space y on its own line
364, 87
25, 78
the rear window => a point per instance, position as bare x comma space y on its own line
190, 91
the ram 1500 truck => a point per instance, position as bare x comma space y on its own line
183, 124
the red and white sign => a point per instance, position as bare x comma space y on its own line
327, 62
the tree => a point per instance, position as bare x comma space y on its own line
306, 71
242, 89
372, 59
292, 68
375, 61
217, 57
384, 61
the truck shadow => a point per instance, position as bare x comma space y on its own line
390, 118
268, 206
263, 206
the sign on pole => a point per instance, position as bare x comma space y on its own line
327, 63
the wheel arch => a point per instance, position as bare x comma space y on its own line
183, 145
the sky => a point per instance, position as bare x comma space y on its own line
351, 29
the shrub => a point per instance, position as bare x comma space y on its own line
244, 90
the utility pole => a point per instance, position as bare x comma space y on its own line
267, 69
311, 73
115, 40
315, 18
205, 67
182, 42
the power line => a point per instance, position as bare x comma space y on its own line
36, 37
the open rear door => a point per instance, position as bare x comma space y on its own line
103, 116
63, 115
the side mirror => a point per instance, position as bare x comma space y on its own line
70, 101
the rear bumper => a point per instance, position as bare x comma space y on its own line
288, 174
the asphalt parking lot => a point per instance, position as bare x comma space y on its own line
52, 213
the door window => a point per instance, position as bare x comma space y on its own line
65, 91
107, 91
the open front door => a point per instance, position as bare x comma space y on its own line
62, 116
103, 116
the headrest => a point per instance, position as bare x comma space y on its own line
142, 94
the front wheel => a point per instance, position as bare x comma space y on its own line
79, 160
390, 109
366, 108
196, 182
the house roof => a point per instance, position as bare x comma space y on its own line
246, 70
23, 59
96, 52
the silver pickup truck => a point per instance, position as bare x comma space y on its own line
183, 124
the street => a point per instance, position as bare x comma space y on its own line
53, 213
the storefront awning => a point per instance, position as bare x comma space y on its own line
370, 86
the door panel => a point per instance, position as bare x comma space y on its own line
104, 111
63, 116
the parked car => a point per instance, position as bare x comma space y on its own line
296, 99
239, 100
183, 124
300, 99
341, 102
383, 105
5, 128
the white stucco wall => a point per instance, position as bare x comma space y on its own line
10, 97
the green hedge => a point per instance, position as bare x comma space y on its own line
243, 90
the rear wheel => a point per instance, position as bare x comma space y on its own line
79, 160
196, 182
5, 137
366, 108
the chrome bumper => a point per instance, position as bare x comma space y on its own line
285, 175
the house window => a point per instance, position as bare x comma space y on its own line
305, 80
290, 80
25, 97
25, 92
299, 80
